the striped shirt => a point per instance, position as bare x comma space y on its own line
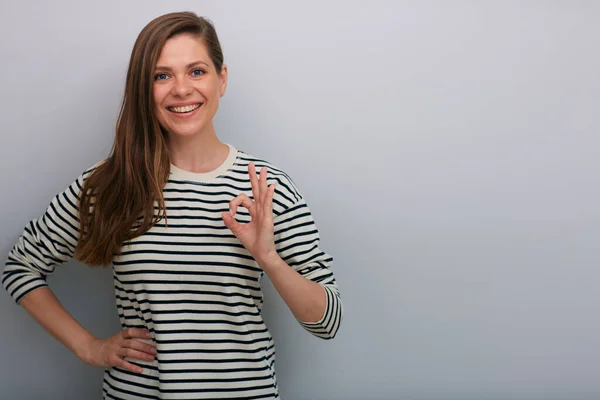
191, 283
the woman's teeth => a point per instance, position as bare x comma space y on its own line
185, 109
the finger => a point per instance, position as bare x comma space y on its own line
243, 200
268, 204
230, 222
262, 183
136, 333
253, 180
140, 346
128, 366
138, 355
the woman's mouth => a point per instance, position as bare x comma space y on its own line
184, 109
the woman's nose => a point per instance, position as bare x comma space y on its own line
182, 87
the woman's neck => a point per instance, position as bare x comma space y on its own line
198, 153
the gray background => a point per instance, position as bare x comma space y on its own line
449, 152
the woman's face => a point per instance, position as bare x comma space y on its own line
187, 86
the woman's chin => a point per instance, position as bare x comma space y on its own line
185, 133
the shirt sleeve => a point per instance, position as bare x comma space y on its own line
45, 242
297, 242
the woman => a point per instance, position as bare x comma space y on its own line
189, 226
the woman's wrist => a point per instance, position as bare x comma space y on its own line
270, 262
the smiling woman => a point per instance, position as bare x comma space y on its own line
189, 227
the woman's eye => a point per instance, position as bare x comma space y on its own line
197, 72
160, 76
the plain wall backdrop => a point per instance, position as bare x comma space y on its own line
449, 151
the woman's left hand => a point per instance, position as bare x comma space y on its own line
257, 235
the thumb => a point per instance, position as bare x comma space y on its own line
231, 223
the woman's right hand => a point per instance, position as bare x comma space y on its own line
112, 352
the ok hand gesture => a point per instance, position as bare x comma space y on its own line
257, 235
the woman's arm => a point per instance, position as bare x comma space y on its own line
45, 308
306, 299
45, 243
287, 249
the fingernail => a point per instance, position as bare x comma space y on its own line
148, 335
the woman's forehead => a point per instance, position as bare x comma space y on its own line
183, 49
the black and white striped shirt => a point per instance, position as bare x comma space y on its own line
191, 283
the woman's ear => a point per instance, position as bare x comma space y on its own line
223, 78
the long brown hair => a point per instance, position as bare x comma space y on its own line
118, 199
